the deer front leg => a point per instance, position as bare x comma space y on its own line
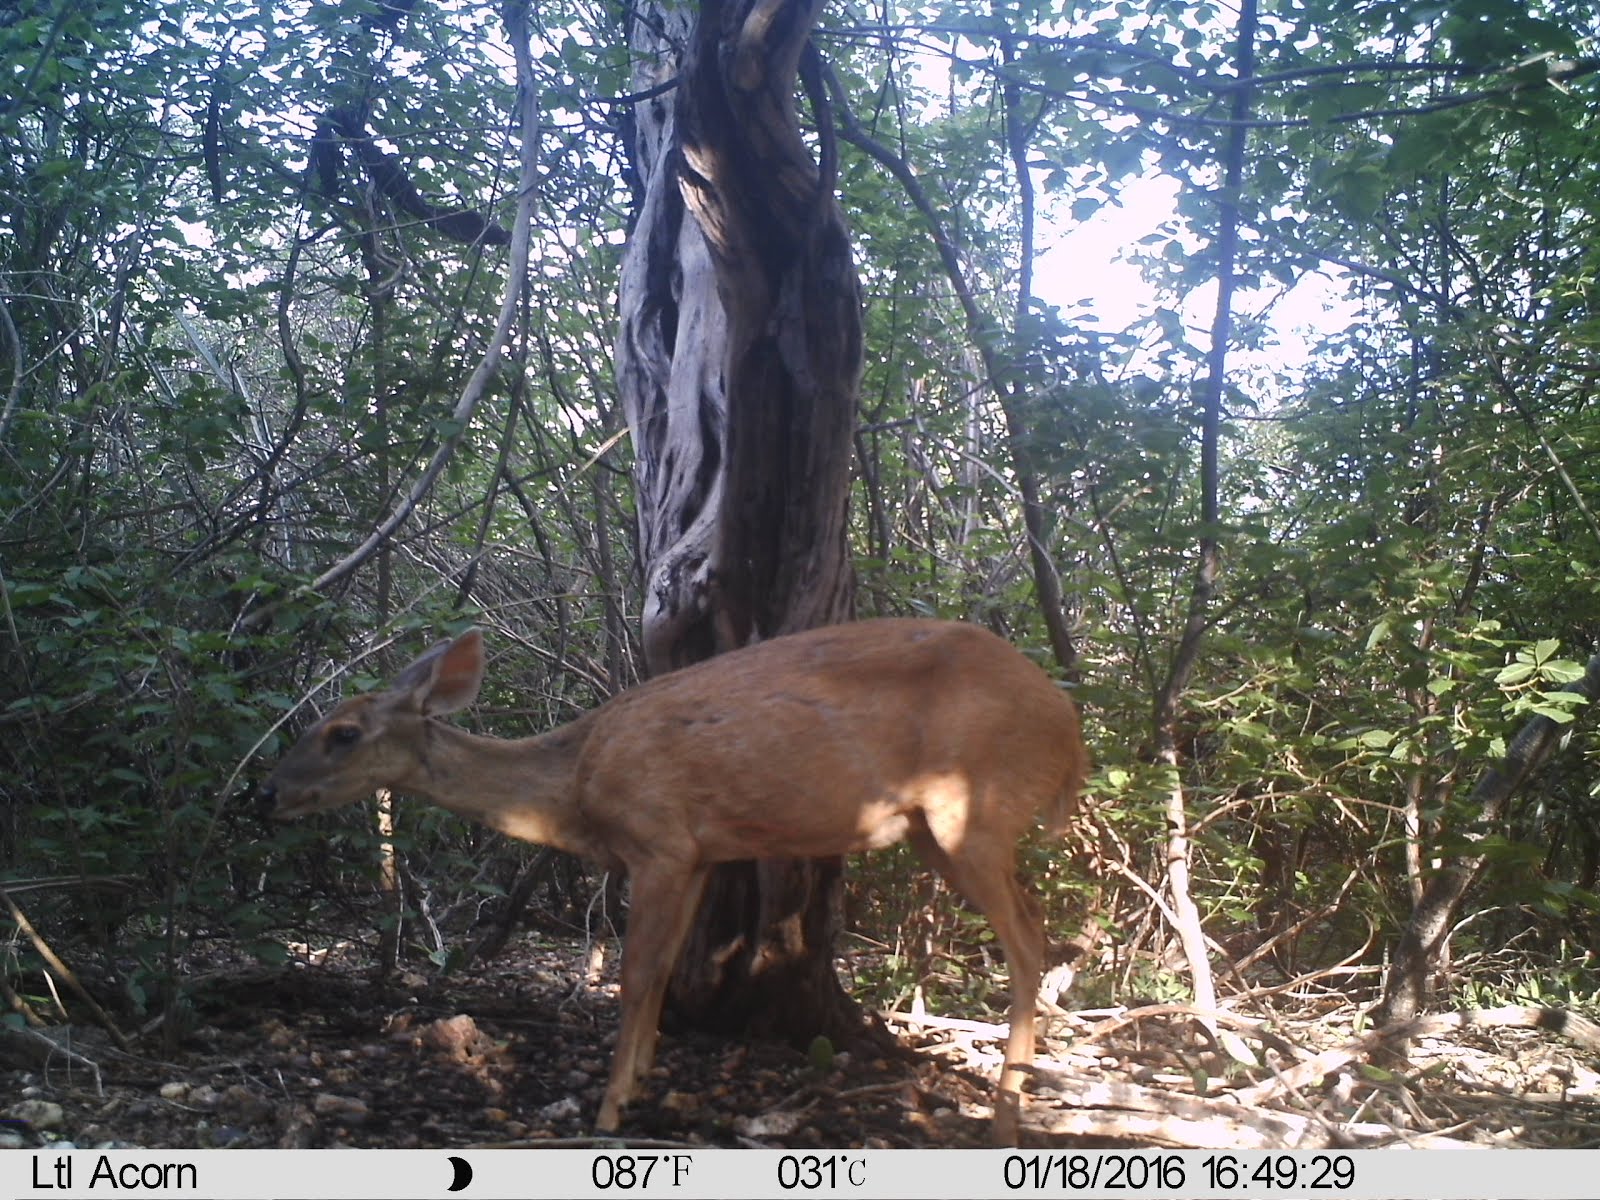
664, 899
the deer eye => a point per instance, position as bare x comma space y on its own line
344, 735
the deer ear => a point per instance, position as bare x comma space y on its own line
446, 678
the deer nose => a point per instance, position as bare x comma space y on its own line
266, 798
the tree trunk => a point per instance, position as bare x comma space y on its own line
1187, 656
738, 362
1420, 946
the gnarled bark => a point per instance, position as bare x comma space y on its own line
738, 361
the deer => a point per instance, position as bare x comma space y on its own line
839, 739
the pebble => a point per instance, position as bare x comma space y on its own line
41, 1114
348, 1109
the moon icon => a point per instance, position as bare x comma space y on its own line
463, 1173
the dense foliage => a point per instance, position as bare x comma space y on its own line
250, 255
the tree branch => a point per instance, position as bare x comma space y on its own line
1045, 580
477, 384
1406, 987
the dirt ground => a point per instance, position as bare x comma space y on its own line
516, 1052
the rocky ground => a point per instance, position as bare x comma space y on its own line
315, 1054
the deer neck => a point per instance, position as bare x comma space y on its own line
525, 788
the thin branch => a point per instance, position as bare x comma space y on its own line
14, 393
1184, 660
63, 972
263, 474
660, 89
490, 363
993, 368
1559, 73
1512, 397
1406, 986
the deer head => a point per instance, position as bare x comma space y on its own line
379, 740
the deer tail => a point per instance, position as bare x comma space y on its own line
1065, 802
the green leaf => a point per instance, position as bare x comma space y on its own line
1562, 670
1560, 716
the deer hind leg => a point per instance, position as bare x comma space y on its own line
662, 909
984, 871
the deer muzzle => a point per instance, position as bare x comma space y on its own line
279, 806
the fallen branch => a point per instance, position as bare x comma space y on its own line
63, 972
1307, 1074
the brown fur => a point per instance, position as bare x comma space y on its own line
847, 738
